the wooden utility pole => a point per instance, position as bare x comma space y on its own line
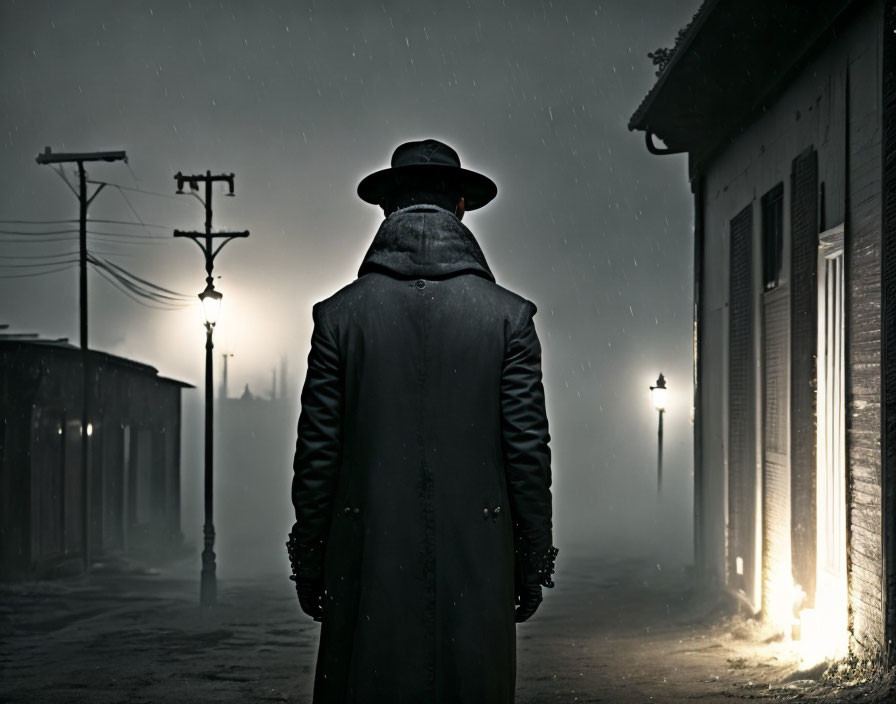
222, 393
48, 157
205, 242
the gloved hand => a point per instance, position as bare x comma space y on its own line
528, 600
533, 571
311, 596
307, 573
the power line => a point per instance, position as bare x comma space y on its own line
131, 206
42, 240
96, 220
38, 256
127, 222
162, 292
136, 285
47, 233
139, 190
105, 238
41, 264
127, 235
61, 172
35, 273
60, 254
54, 236
36, 222
129, 285
36, 234
134, 298
125, 272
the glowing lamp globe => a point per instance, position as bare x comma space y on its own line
211, 304
658, 393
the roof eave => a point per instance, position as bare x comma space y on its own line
637, 119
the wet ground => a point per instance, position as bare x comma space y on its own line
611, 631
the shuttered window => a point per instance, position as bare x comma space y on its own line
772, 235
741, 409
803, 348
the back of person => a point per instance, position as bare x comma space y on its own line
423, 470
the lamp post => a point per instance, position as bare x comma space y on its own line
211, 305
658, 394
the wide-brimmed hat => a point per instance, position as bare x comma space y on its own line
427, 165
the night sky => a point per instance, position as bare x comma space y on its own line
301, 100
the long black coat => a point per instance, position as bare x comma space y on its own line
422, 455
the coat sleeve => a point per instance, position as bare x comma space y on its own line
527, 456
318, 448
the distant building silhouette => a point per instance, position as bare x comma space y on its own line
254, 444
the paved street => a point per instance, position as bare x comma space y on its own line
609, 632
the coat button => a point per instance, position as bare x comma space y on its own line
497, 510
357, 511
485, 513
420, 283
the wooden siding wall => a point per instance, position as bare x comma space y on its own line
888, 306
741, 408
711, 442
863, 318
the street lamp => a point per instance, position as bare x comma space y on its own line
211, 306
658, 394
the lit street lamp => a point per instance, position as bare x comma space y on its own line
211, 306
658, 394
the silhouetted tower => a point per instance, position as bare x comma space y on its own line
222, 393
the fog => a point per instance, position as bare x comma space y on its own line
300, 101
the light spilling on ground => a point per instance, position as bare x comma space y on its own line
821, 638
816, 634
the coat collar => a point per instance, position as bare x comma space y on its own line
424, 241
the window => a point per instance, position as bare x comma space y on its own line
772, 235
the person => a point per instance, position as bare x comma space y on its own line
422, 470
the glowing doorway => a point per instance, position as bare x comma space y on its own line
829, 621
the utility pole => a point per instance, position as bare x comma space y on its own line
211, 300
222, 394
284, 388
48, 157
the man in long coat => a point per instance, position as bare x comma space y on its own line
422, 469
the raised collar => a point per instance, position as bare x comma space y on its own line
424, 241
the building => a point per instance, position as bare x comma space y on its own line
787, 113
133, 482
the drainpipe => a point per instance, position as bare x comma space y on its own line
659, 151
